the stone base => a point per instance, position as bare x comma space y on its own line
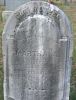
5, 15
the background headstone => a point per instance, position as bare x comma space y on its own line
5, 15
37, 51
13, 4
2, 2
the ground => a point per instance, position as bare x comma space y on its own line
70, 10
1, 64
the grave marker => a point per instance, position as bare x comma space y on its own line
37, 51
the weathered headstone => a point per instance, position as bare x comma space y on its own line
37, 51
11, 5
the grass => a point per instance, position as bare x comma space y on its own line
1, 64
70, 10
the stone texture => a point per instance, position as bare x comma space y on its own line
5, 15
37, 51
2, 2
13, 4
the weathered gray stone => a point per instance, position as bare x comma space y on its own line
6, 15
13, 4
37, 51
2, 2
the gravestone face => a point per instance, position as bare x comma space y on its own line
37, 51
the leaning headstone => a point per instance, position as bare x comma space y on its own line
37, 51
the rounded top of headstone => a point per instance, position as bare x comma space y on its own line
13, 4
34, 9
45, 9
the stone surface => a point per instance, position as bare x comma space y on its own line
37, 51
13, 4
2, 2
5, 15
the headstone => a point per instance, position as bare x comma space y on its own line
2, 2
37, 51
11, 5
6, 15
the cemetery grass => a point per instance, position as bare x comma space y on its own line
70, 10
1, 64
